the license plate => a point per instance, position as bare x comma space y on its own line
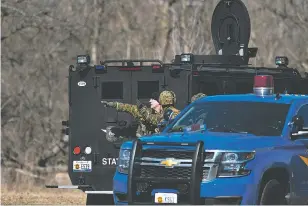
166, 198
82, 166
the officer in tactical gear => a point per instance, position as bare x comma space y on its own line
197, 96
167, 100
144, 127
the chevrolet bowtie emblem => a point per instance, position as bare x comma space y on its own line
170, 162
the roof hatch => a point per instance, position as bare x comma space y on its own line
231, 28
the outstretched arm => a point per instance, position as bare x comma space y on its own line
128, 108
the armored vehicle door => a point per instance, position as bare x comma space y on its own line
93, 158
87, 120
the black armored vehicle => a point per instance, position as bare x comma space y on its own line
93, 157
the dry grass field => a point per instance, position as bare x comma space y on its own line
42, 196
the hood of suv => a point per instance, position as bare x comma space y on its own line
221, 141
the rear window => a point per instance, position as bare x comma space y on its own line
112, 90
147, 88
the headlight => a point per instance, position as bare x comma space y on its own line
233, 164
186, 58
83, 59
124, 158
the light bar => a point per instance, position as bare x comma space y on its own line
83, 59
186, 58
281, 61
263, 85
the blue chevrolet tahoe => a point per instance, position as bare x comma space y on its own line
228, 149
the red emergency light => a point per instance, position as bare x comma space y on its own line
156, 66
263, 85
195, 73
77, 150
130, 69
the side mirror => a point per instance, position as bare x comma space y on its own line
298, 129
298, 122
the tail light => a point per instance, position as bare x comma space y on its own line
77, 150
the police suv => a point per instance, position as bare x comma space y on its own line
228, 149
94, 131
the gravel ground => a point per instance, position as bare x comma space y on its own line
43, 197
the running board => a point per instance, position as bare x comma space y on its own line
99, 192
68, 186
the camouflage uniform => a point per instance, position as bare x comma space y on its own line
197, 96
167, 99
144, 128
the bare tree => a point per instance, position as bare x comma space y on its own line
40, 38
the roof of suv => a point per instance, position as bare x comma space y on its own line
284, 99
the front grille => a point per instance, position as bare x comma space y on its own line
167, 154
176, 172
162, 172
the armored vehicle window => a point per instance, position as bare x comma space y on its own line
257, 118
147, 88
112, 90
209, 88
303, 111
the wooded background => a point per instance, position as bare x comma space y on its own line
41, 38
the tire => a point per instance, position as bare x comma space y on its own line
273, 193
99, 199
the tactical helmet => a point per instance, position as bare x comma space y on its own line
174, 97
197, 96
167, 98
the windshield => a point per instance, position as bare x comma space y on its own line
258, 118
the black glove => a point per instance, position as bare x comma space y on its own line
139, 104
